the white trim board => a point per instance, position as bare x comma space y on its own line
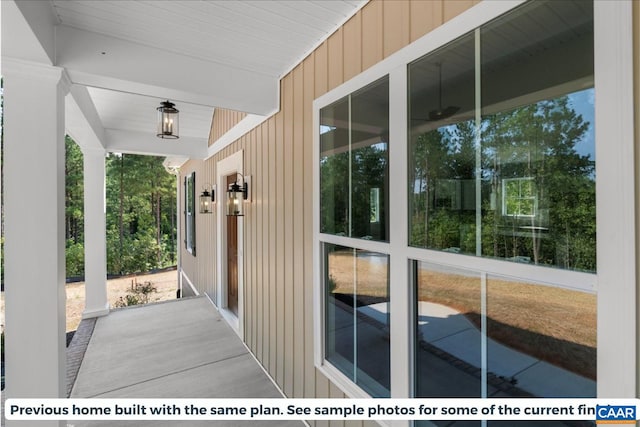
245, 126
232, 164
184, 276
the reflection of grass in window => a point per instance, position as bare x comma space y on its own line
553, 324
372, 275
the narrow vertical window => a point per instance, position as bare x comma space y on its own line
354, 194
189, 213
357, 316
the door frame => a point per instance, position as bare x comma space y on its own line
227, 166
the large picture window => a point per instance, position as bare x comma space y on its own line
489, 230
502, 142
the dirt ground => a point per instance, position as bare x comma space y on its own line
166, 284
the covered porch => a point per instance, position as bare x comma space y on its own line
97, 71
178, 349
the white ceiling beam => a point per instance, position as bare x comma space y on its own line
135, 68
81, 119
28, 31
120, 141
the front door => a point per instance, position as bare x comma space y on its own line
232, 258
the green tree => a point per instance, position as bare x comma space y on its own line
140, 214
74, 208
537, 191
536, 144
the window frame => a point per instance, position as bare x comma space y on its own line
519, 198
615, 279
190, 213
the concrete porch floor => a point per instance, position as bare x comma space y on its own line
178, 349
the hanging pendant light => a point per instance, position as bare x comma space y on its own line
441, 113
167, 121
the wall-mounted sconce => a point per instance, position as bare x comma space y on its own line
207, 199
167, 121
236, 195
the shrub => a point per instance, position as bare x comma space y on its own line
138, 293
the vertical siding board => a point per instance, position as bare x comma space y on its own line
274, 134
322, 392
298, 232
263, 245
249, 223
257, 181
424, 16
352, 42
372, 44
335, 393
257, 306
307, 180
211, 219
277, 221
335, 58
214, 255
286, 264
396, 26
455, 8
321, 70
214, 126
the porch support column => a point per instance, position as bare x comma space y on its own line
95, 240
34, 151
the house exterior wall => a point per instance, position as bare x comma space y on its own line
278, 234
278, 326
223, 120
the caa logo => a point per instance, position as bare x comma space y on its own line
615, 414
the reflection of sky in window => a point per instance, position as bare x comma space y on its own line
583, 103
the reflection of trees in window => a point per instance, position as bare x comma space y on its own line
443, 200
368, 172
374, 200
354, 147
537, 191
519, 197
547, 187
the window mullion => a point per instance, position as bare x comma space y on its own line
399, 288
478, 142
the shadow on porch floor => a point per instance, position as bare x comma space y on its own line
178, 349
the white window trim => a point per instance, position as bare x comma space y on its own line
617, 364
190, 228
615, 196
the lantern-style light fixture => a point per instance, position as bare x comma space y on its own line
236, 195
167, 121
207, 199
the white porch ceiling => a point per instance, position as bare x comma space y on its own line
130, 55
265, 37
132, 112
